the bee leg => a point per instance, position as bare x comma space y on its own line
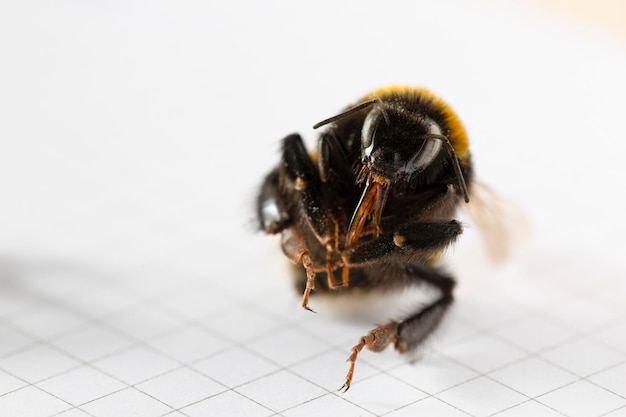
332, 162
413, 330
416, 241
310, 280
345, 276
409, 333
376, 340
330, 267
301, 172
331, 157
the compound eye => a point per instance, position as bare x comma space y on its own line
430, 148
369, 128
426, 154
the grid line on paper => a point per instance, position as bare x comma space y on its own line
288, 349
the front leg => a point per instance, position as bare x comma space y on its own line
312, 197
407, 225
332, 160
303, 177
414, 241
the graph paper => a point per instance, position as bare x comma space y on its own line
519, 341
134, 136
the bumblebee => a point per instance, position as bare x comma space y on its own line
374, 206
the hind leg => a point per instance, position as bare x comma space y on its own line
410, 332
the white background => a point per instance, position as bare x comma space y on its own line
135, 133
138, 125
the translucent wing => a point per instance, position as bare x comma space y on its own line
503, 225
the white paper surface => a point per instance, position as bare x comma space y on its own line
134, 136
